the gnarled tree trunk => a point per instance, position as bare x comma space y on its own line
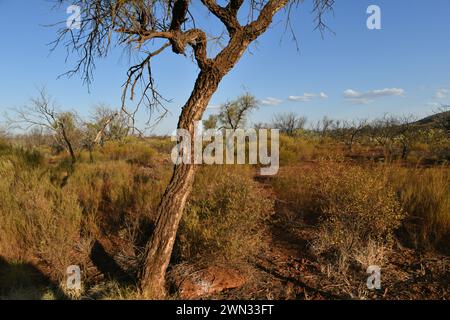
158, 251
170, 211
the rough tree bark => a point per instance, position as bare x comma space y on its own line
170, 210
159, 249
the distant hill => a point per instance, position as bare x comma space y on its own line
436, 120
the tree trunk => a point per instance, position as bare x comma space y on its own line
405, 152
170, 210
69, 144
352, 140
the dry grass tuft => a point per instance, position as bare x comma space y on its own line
425, 196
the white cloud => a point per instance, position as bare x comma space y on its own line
271, 101
323, 95
368, 97
299, 98
213, 107
349, 93
308, 97
441, 94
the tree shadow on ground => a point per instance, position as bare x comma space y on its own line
23, 281
300, 284
107, 265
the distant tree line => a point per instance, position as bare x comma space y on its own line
388, 132
45, 123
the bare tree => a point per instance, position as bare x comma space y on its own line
43, 114
148, 28
443, 118
233, 115
108, 124
406, 134
289, 123
323, 126
103, 120
262, 125
383, 131
390, 132
105, 125
348, 131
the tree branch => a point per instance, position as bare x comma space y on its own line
228, 15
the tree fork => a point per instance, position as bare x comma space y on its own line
171, 208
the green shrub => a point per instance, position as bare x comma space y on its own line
162, 145
359, 209
294, 190
294, 149
117, 195
21, 156
224, 217
39, 221
356, 206
135, 151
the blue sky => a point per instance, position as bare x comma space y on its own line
403, 68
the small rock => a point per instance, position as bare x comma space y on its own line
208, 281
